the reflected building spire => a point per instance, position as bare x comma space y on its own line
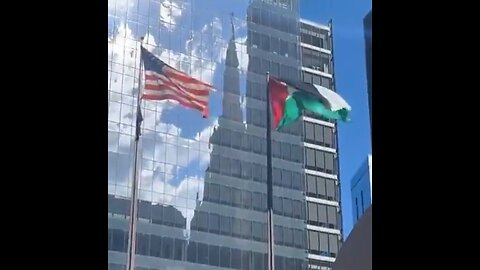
231, 81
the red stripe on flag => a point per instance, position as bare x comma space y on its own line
190, 87
183, 77
278, 96
161, 88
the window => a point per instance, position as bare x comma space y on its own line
332, 217
319, 134
237, 197
247, 199
333, 244
214, 192
278, 235
254, 63
167, 248
225, 225
264, 174
143, 243
275, 67
169, 216
310, 157
257, 144
257, 172
179, 249
214, 221
202, 253
331, 190
276, 149
287, 207
277, 176
319, 159
255, 39
298, 239
313, 244
279, 263
257, 201
246, 259
309, 130
286, 179
155, 245
289, 263
297, 181
328, 137
257, 231
213, 253
277, 205
246, 170
297, 154
225, 166
236, 169
191, 252
286, 154
329, 159
225, 196
245, 142
236, 227
236, 258
322, 215
288, 236
119, 240
215, 163
265, 68
311, 186
257, 261
256, 15
312, 213
144, 210
225, 136
265, 44
236, 140
246, 229
202, 221
297, 209
307, 78
324, 244
225, 257
265, 17
321, 191
274, 45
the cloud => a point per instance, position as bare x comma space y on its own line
170, 12
241, 44
200, 57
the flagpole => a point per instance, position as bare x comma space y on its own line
271, 255
134, 201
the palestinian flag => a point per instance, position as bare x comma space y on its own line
288, 100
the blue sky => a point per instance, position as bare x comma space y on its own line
349, 56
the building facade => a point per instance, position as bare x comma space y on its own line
361, 189
324, 225
202, 183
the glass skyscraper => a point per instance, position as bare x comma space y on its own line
203, 186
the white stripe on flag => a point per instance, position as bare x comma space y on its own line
335, 100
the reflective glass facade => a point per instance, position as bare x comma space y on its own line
203, 186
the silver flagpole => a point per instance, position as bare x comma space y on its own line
134, 201
271, 253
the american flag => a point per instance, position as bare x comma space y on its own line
162, 82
